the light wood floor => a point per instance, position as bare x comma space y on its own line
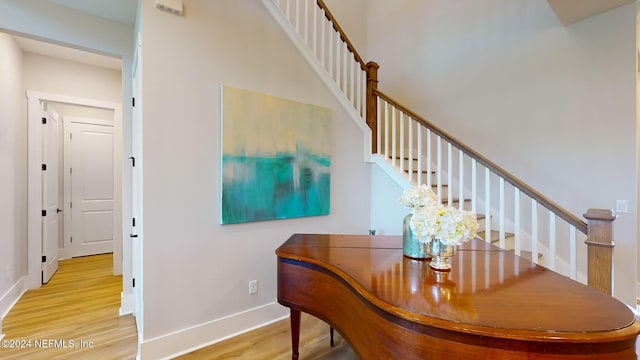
80, 303
273, 342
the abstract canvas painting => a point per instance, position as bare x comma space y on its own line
275, 158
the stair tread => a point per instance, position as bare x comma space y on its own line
526, 254
495, 235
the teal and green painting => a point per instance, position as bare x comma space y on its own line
275, 158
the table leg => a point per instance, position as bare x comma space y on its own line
295, 333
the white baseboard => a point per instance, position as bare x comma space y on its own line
10, 298
190, 339
126, 303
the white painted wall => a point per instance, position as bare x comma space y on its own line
196, 271
13, 182
386, 212
57, 76
554, 105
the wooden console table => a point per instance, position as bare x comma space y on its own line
492, 305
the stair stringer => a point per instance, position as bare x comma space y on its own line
316, 65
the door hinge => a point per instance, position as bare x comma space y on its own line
133, 222
44, 259
70, 171
44, 121
44, 212
44, 167
70, 136
133, 282
133, 161
133, 102
71, 239
70, 204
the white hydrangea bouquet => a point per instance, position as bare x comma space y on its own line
431, 220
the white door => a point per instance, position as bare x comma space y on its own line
92, 188
50, 192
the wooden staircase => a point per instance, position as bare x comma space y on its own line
515, 212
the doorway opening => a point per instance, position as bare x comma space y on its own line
96, 220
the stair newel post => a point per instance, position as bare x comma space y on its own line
600, 248
372, 103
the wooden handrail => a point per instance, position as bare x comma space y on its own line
343, 36
541, 199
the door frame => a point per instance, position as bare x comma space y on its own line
34, 186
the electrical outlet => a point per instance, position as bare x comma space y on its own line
253, 287
622, 206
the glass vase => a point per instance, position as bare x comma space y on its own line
411, 247
441, 254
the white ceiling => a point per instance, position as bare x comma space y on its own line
67, 53
123, 11
571, 11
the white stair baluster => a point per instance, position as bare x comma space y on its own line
429, 178
330, 47
439, 167
487, 204
450, 175
516, 219
288, 10
474, 185
297, 17
352, 76
386, 130
379, 126
419, 153
394, 144
345, 67
356, 88
501, 215
315, 30
534, 231
410, 150
461, 179
401, 124
338, 54
306, 22
551, 260
573, 264
363, 94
